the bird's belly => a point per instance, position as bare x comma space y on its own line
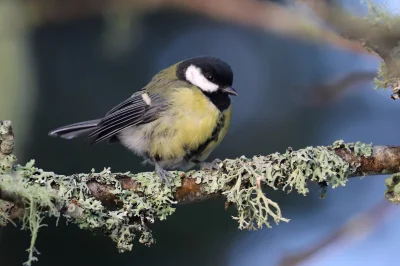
174, 138
168, 142
180, 136
135, 139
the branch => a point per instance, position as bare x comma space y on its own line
123, 205
378, 32
260, 14
321, 94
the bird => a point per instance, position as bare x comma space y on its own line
173, 122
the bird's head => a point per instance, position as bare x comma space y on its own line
209, 74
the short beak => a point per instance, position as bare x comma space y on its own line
230, 91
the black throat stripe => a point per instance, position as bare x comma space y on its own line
214, 137
221, 100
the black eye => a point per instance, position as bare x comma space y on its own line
210, 77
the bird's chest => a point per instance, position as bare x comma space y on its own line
196, 126
194, 119
188, 127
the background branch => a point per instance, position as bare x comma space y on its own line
327, 92
261, 14
379, 32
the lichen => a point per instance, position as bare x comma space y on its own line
36, 198
381, 20
240, 180
392, 192
149, 202
389, 79
358, 148
378, 13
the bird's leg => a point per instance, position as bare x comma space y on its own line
163, 174
214, 165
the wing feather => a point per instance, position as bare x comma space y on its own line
127, 102
131, 112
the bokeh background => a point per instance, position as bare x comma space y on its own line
59, 71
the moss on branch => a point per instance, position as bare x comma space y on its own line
392, 192
124, 205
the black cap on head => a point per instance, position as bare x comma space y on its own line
212, 69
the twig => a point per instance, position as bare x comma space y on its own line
261, 14
328, 92
379, 32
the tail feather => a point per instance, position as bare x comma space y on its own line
75, 130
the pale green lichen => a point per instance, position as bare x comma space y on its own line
382, 21
36, 198
6, 163
392, 192
240, 180
358, 148
386, 79
378, 13
383, 80
149, 202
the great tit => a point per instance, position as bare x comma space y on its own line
174, 122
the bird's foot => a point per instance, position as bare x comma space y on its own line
163, 174
214, 165
147, 161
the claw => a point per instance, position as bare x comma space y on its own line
163, 174
214, 165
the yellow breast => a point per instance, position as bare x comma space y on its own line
188, 123
222, 133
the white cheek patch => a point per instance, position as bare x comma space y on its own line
193, 75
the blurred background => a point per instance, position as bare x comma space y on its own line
72, 60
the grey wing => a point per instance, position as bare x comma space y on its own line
131, 112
